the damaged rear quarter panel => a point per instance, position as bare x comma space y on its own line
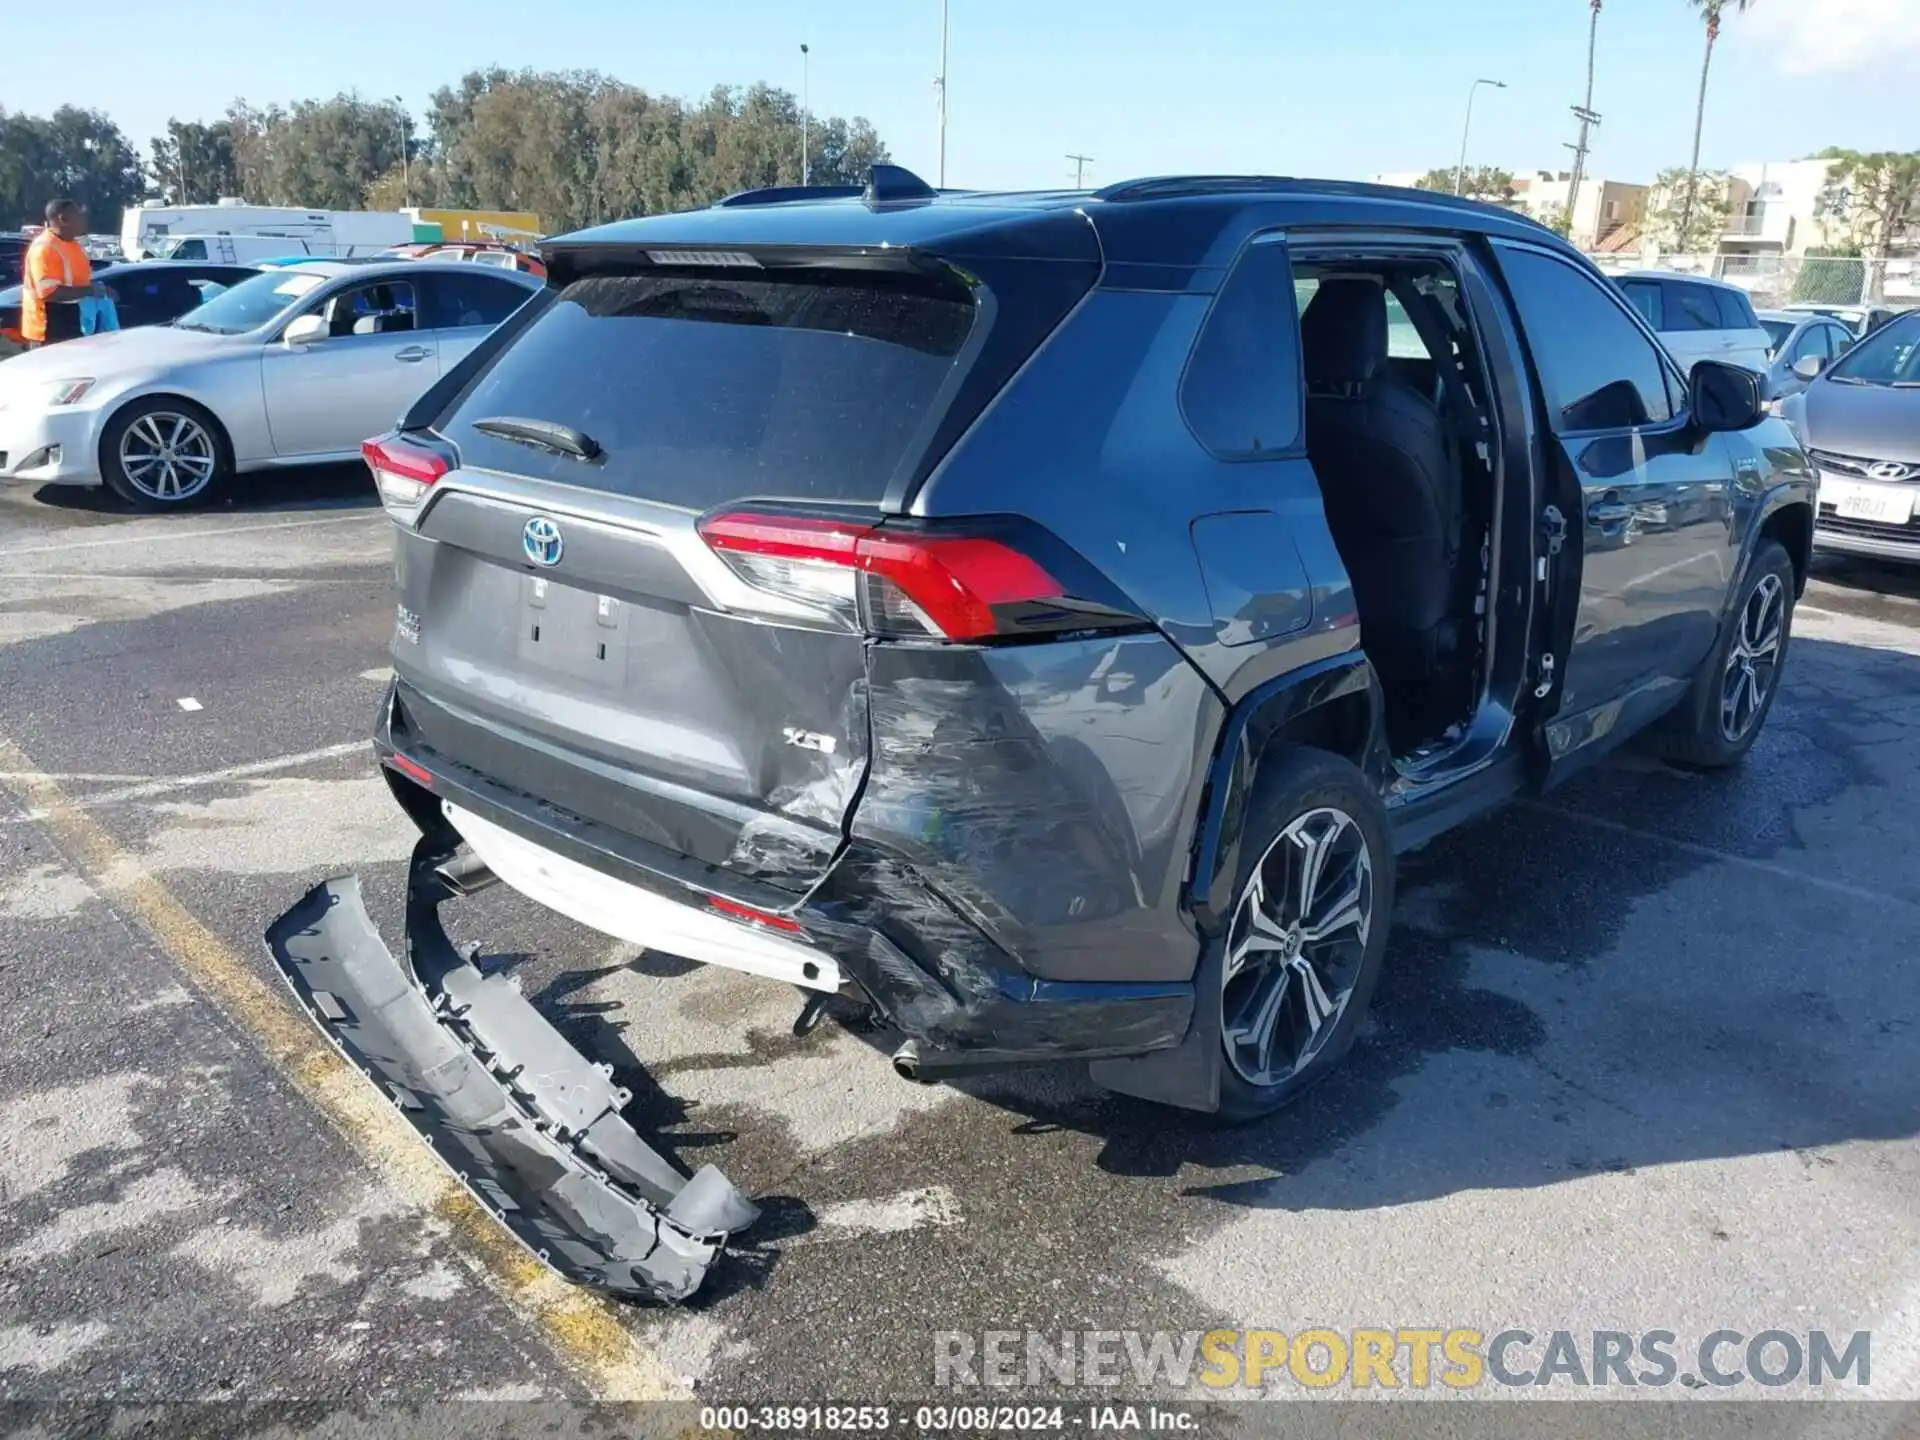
1046, 792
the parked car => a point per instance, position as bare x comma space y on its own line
1801, 346
1700, 319
1862, 320
1860, 422
503, 257
287, 367
145, 293
1005, 610
13, 258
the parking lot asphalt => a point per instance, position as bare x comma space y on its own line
1647, 1055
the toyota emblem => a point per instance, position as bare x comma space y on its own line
541, 540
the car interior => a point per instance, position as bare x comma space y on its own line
1399, 432
371, 310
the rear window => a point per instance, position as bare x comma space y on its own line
701, 389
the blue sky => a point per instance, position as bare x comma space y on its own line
1309, 87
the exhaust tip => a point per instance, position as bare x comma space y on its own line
906, 1062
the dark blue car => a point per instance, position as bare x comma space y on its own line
1042, 618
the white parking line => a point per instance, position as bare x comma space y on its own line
146, 539
167, 784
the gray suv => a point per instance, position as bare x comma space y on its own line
1040, 617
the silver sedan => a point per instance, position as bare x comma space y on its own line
294, 366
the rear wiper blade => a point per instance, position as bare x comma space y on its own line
542, 435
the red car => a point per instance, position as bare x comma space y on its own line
480, 252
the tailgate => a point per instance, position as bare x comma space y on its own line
610, 684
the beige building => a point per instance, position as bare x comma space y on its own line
1773, 209
1607, 213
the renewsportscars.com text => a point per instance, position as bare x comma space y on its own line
1402, 1358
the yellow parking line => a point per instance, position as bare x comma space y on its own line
584, 1329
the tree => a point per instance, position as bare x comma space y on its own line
1481, 182
1687, 210
1875, 196
193, 163
1556, 218
1711, 11
73, 153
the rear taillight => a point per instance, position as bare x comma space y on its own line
996, 578
404, 468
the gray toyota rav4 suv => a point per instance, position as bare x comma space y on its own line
1040, 617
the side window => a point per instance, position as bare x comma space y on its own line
455, 302
1403, 339
1736, 311
1841, 339
1241, 393
190, 250
383, 308
1691, 307
1599, 372
1645, 297
1813, 341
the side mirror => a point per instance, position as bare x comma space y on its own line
1808, 367
1725, 397
306, 330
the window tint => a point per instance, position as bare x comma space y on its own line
386, 307
1841, 339
704, 389
457, 301
1241, 392
153, 298
1645, 297
1691, 307
1403, 339
1598, 370
1736, 311
1812, 341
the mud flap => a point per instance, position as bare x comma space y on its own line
527, 1123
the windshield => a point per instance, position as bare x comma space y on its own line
1777, 332
252, 303
1889, 356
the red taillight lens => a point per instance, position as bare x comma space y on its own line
941, 586
752, 916
404, 469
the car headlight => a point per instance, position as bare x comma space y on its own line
46, 394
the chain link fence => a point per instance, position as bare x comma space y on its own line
1776, 280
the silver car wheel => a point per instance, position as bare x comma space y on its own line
168, 456
1754, 658
1295, 947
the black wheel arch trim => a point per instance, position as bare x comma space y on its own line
1236, 767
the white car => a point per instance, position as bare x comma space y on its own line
294, 366
1700, 319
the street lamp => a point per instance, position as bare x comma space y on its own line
940, 87
406, 169
806, 85
1460, 173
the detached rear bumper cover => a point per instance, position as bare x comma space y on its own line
530, 1126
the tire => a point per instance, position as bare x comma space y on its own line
1734, 689
163, 453
1291, 1002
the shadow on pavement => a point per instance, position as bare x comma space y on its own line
314, 487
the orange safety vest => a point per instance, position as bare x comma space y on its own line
51, 263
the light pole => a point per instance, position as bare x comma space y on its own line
940, 88
1460, 173
406, 168
1080, 163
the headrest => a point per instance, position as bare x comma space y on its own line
1344, 332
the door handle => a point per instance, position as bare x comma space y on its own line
412, 353
1609, 512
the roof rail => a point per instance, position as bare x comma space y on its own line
781, 194
1168, 187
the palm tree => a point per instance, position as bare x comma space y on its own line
1711, 10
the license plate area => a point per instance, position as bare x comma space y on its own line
573, 632
1866, 500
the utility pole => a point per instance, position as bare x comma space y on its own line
1080, 163
940, 88
1584, 113
806, 87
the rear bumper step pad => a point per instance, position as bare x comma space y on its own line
529, 1125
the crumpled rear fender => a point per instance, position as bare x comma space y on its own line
529, 1125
